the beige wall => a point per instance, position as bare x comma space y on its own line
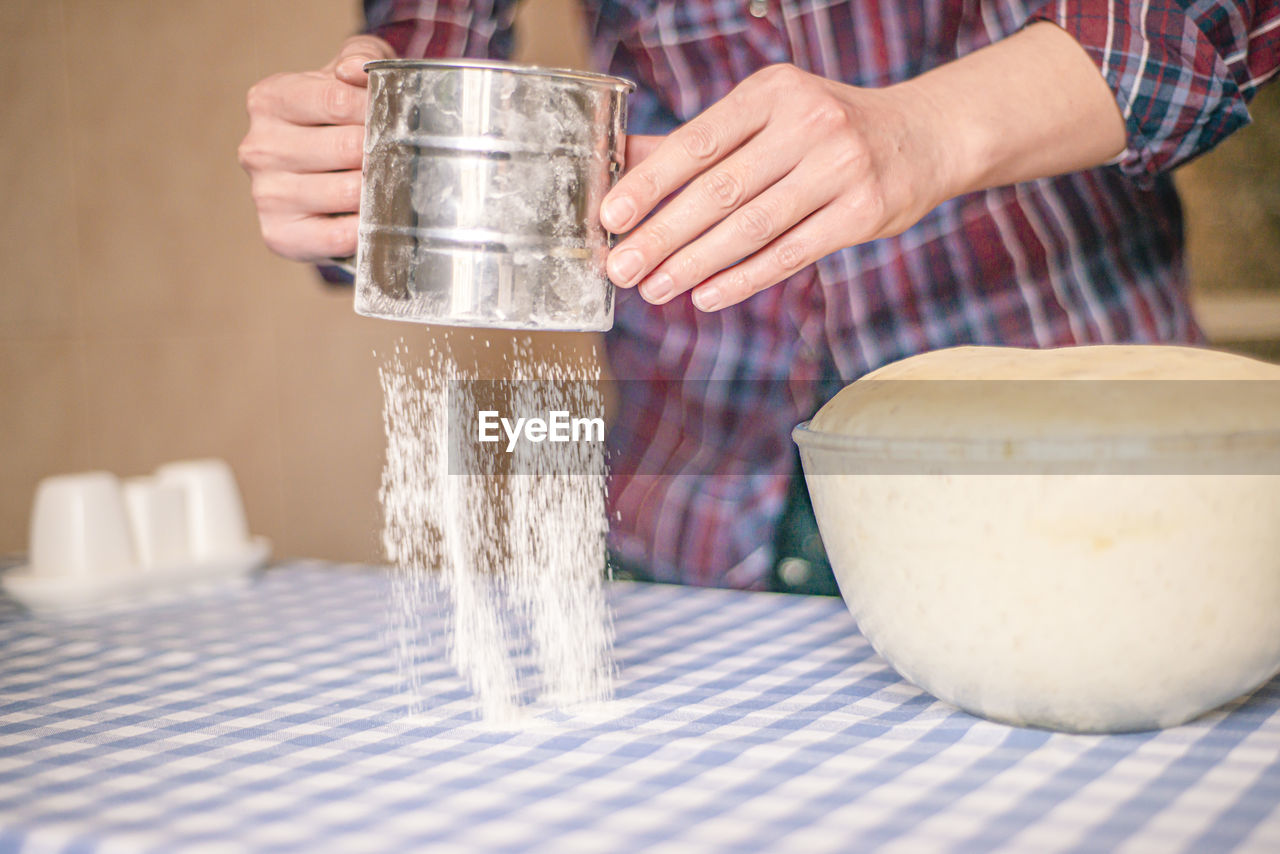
141, 319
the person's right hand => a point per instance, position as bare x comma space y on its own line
303, 153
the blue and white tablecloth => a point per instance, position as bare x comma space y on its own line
270, 718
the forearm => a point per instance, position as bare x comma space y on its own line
1030, 106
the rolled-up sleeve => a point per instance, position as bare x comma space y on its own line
1182, 71
444, 28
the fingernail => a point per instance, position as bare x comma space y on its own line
707, 298
616, 213
657, 288
625, 266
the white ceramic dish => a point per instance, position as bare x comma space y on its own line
49, 593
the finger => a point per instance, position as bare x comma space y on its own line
311, 98
813, 238
313, 238
708, 199
314, 193
684, 152
754, 225
640, 146
280, 147
348, 65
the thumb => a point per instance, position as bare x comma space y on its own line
348, 65
639, 147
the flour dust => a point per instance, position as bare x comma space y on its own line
509, 546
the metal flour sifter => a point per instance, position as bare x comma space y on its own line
482, 185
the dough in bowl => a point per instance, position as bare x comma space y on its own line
1082, 599
1013, 393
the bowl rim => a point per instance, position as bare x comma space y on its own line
1090, 448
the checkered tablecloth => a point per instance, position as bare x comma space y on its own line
270, 718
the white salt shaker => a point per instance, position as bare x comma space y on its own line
79, 527
158, 519
216, 525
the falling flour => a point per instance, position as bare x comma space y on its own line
512, 551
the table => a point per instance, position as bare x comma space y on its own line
270, 718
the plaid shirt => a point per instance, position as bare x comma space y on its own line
701, 448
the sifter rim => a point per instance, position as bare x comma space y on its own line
593, 77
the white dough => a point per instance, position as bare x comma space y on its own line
1071, 392
1084, 602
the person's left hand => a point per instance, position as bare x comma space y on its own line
786, 168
